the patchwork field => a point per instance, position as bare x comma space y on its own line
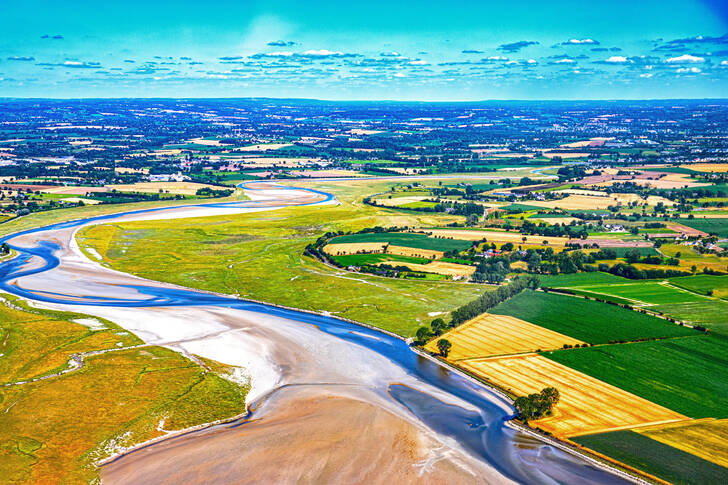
414, 252
717, 226
686, 375
707, 167
359, 259
587, 405
496, 236
705, 438
658, 459
343, 249
703, 284
589, 202
488, 335
586, 320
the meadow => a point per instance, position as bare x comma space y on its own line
686, 375
717, 226
260, 256
656, 458
359, 259
703, 284
123, 394
587, 320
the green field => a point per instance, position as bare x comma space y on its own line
587, 320
678, 301
407, 239
643, 251
687, 375
579, 279
703, 283
260, 256
656, 458
717, 226
359, 259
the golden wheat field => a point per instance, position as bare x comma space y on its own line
496, 236
488, 335
706, 438
354, 248
439, 267
587, 405
184, 188
707, 167
415, 252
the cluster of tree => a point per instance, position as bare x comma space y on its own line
570, 172
536, 405
490, 299
210, 192
492, 270
116, 197
4, 249
629, 271
543, 229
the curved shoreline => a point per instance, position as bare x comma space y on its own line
286, 312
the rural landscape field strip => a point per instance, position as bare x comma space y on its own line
705, 438
587, 405
666, 462
587, 320
488, 335
685, 374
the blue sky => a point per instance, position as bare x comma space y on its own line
425, 50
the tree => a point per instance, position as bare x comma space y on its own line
438, 326
444, 346
423, 333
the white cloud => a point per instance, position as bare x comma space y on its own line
581, 41
646, 75
724, 63
400, 74
692, 70
565, 61
532, 61
322, 53
419, 62
685, 58
616, 60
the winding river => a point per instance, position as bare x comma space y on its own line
331, 401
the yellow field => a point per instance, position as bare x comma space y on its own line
587, 405
415, 252
264, 147
706, 438
707, 167
184, 188
488, 335
400, 200
354, 248
496, 236
439, 267
586, 202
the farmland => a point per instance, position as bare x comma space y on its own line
358, 259
587, 320
443, 268
587, 405
496, 236
404, 239
703, 284
686, 375
655, 458
488, 335
717, 226
706, 438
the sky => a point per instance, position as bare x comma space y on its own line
427, 50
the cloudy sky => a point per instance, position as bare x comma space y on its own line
424, 50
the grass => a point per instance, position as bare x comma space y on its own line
621, 252
406, 239
591, 321
718, 226
260, 256
703, 283
706, 438
579, 279
120, 396
686, 375
653, 457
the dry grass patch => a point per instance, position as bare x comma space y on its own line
705, 438
415, 252
587, 405
590, 202
488, 335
